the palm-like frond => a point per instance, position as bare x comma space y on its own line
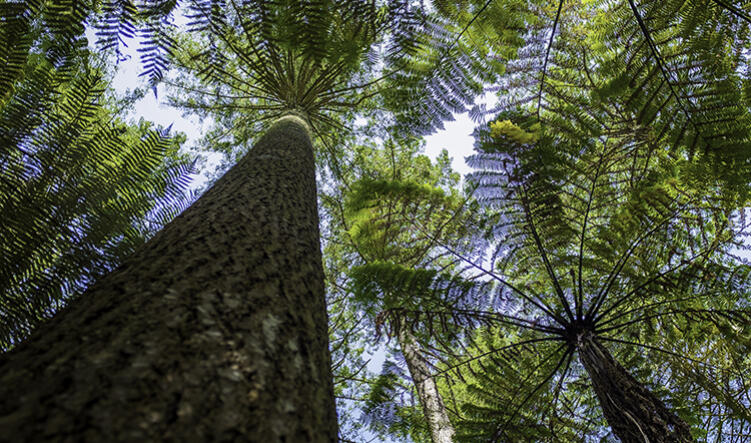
682, 68
258, 60
601, 223
522, 392
454, 53
383, 217
678, 70
148, 22
63, 22
79, 191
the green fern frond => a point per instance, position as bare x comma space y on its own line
79, 191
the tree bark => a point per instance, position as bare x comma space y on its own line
215, 330
435, 412
633, 412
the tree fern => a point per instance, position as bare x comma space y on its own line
80, 190
393, 268
596, 227
621, 264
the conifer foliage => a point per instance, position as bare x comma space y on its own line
261, 60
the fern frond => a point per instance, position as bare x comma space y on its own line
79, 191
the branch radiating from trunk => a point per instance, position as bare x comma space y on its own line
634, 413
435, 412
213, 330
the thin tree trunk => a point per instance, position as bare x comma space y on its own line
633, 412
435, 412
214, 330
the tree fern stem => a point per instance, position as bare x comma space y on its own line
634, 413
214, 330
435, 412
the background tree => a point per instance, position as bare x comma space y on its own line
392, 187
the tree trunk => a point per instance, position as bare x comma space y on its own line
215, 330
435, 412
633, 412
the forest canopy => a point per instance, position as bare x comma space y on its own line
588, 281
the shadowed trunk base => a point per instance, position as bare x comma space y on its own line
215, 330
633, 412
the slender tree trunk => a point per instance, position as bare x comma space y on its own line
633, 412
435, 412
214, 330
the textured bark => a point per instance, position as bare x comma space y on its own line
435, 412
215, 330
633, 412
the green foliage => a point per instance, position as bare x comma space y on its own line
63, 23
255, 61
80, 189
391, 201
21, 24
507, 129
400, 296
389, 285
678, 69
393, 221
454, 53
118, 22
385, 407
492, 390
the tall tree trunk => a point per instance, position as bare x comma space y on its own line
633, 412
214, 330
435, 412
